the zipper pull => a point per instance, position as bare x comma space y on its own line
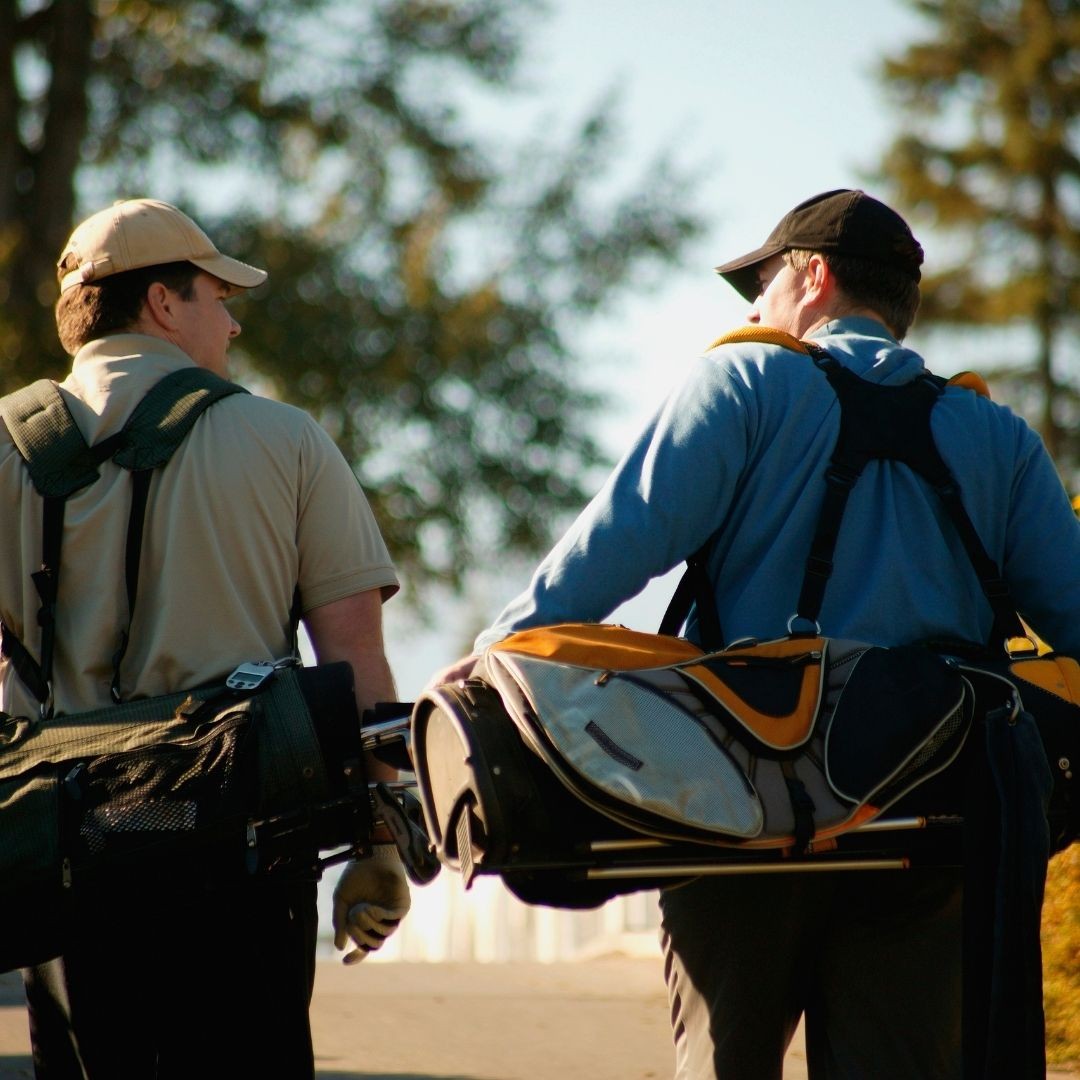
73, 782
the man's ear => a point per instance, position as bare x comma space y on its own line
820, 280
159, 304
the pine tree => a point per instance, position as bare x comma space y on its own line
426, 275
991, 104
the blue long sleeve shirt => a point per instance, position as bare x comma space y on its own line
738, 452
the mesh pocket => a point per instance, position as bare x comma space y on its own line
932, 756
164, 795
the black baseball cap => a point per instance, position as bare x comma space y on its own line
843, 222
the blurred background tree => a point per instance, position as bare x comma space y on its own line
426, 276
990, 102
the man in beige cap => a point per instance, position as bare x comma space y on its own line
195, 974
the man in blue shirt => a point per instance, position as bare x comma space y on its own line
736, 457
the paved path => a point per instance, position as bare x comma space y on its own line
599, 1019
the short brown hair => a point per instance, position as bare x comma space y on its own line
890, 292
113, 304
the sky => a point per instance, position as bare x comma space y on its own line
769, 102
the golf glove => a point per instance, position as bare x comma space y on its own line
370, 899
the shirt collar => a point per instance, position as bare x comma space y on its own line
869, 349
862, 325
110, 375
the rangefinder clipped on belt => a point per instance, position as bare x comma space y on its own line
251, 675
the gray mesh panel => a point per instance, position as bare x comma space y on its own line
144, 797
162, 815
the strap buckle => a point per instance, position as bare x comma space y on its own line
811, 626
1021, 648
45, 707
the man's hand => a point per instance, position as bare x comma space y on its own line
370, 899
460, 669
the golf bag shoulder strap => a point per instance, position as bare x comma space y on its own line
48, 440
161, 421
57, 456
764, 335
60, 463
877, 422
883, 422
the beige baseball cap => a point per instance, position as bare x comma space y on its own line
144, 232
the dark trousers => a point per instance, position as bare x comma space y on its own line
175, 981
873, 959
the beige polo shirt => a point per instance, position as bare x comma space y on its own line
256, 500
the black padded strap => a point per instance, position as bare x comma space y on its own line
876, 422
48, 440
695, 589
679, 605
161, 421
840, 478
156, 428
996, 590
891, 423
140, 493
47, 583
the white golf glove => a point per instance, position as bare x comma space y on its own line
370, 899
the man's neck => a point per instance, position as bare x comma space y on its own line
847, 313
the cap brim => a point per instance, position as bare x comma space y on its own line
232, 271
741, 273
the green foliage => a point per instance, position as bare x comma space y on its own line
991, 106
426, 275
1061, 957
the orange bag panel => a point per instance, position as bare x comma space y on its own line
781, 731
599, 645
615, 648
1058, 675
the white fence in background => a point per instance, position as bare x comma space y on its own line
488, 924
